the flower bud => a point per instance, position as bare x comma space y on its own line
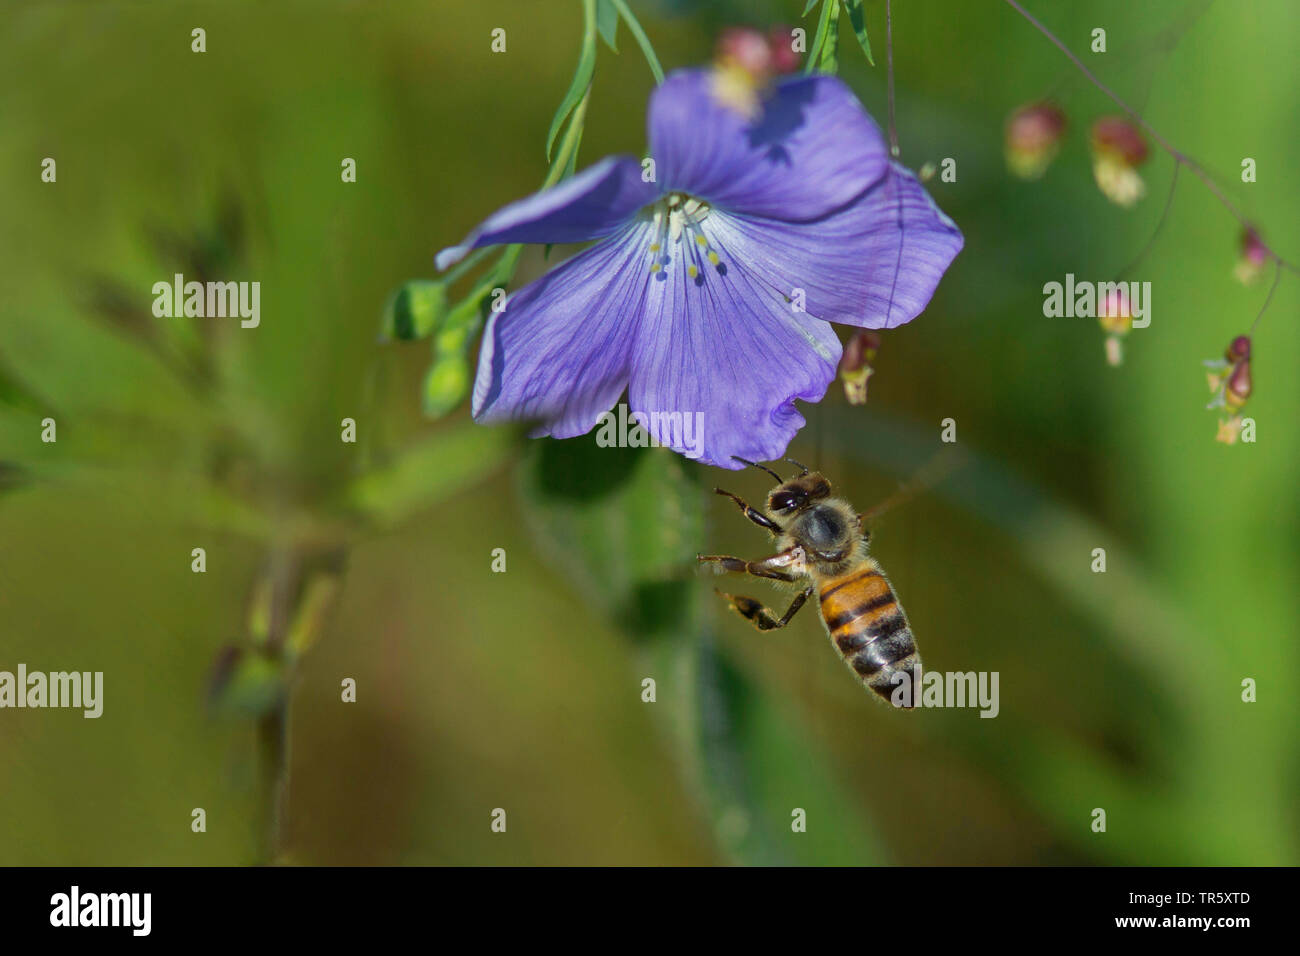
1237, 388
745, 48
1254, 254
744, 63
1230, 380
855, 365
446, 384
414, 310
1033, 138
1238, 349
780, 42
1118, 149
1115, 316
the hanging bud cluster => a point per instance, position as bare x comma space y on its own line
1034, 133
421, 309
1229, 380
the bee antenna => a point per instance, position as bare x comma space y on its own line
753, 464
797, 464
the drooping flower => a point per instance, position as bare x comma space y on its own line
1033, 138
1115, 316
1229, 379
1253, 256
1118, 149
855, 365
712, 288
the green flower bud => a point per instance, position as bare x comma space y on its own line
415, 310
446, 384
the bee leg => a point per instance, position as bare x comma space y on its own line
761, 617
760, 519
773, 567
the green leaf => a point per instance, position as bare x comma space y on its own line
418, 478
760, 763
415, 310
643, 41
577, 88
830, 9
607, 23
829, 59
624, 525
858, 19
810, 4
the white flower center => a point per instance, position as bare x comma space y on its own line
677, 228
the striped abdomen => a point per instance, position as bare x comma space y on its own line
868, 627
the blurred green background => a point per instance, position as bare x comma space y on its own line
522, 690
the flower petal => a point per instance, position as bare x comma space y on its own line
589, 205
718, 363
875, 263
811, 149
559, 352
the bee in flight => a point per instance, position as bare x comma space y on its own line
822, 547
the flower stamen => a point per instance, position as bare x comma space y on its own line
672, 219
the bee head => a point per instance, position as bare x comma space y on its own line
798, 493
791, 497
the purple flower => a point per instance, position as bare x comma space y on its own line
711, 290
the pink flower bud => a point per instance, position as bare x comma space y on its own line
1116, 135
1033, 138
781, 47
1254, 254
745, 48
1118, 149
1238, 349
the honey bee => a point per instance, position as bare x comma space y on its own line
822, 547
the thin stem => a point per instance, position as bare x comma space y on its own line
1160, 225
889, 59
1277, 277
284, 577
1179, 157
273, 737
465, 265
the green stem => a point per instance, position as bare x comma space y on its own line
504, 270
465, 265
273, 740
